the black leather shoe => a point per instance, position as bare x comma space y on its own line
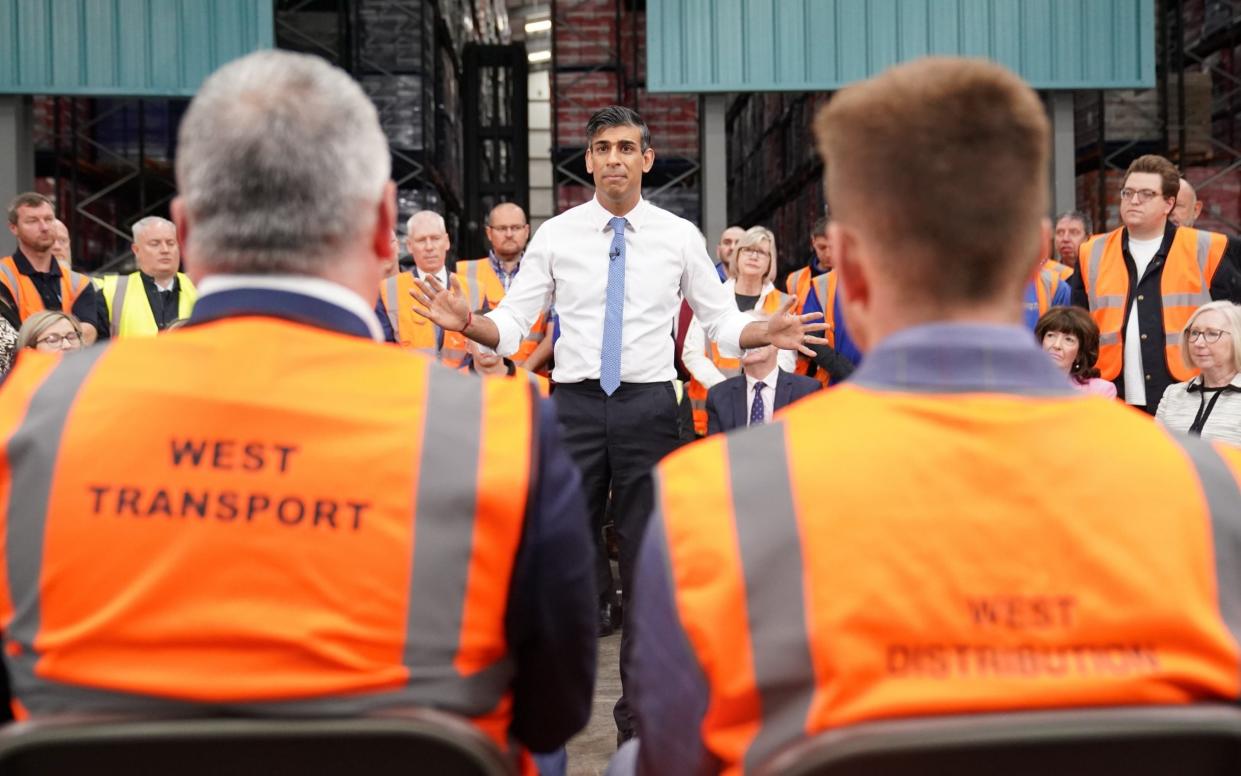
609, 618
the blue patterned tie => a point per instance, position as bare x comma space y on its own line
613, 311
758, 409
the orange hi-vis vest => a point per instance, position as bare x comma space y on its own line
1184, 287
899, 587
537, 382
483, 285
729, 367
798, 286
331, 530
26, 296
414, 332
824, 289
1045, 287
1063, 271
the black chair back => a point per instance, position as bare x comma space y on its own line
1203, 740
419, 742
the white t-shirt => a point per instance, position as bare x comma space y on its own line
1135, 376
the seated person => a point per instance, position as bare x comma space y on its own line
751, 398
1070, 336
50, 331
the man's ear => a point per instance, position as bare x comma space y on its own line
1044, 250
853, 284
648, 159
385, 224
181, 220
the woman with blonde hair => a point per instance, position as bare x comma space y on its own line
751, 281
1208, 405
50, 331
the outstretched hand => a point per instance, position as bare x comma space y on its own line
793, 332
445, 307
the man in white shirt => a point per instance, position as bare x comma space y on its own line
1142, 282
618, 267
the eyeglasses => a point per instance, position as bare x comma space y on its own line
1210, 335
57, 340
1141, 195
756, 252
507, 229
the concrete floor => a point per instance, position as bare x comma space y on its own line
591, 749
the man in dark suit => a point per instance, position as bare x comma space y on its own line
750, 398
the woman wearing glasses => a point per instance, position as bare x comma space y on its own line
1208, 405
50, 331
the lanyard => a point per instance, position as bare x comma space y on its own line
1204, 410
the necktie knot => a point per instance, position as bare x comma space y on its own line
760, 385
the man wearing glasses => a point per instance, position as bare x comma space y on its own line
1143, 281
487, 280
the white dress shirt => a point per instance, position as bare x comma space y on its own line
441, 276
665, 258
694, 353
323, 290
768, 391
1142, 251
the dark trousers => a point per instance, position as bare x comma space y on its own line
615, 441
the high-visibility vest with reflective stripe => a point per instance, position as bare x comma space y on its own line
412, 331
129, 309
26, 296
481, 284
330, 529
1045, 287
896, 587
1063, 271
729, 367
824, 289
538, 382
1184, 286
797, 284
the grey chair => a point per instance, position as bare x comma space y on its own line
416, 742
1202, 740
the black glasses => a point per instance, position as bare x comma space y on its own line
1210, 335
59, 340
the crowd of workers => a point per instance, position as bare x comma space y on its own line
329, 525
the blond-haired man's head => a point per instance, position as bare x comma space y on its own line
937, 177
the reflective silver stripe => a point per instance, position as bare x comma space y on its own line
1046, 279
1093, 266
33, 451
1204, 255
1173, 337
1110, 338
1107, 300
1185, 300
443, 521
771, 559
477, 295
1223, 501
9, 277
390, 305
473, 695
118, 303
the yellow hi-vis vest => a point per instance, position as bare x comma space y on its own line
129, 309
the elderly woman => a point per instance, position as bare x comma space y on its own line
1208, 405
1070, 336
751, 282
50, 331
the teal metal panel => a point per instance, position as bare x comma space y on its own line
147, 48
817, 45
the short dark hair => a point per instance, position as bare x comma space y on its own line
27, 199
1076, 215
617, 116
1170, 177
820, 227
1077, 322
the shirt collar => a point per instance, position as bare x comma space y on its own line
498, 266
603, 217
1196, 383
24, 266
769, 379
284, 288
962, 358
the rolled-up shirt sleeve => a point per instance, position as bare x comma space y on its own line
713, 304
528, 296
